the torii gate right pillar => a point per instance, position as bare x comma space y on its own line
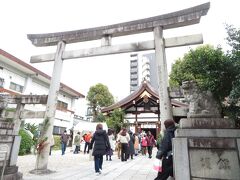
164, 98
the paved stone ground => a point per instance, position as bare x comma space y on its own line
79, 167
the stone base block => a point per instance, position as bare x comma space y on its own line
206, 154
206, 123
11, 173
214, 163
225, 133
15, 176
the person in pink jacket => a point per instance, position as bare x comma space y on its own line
144, 144
150, 143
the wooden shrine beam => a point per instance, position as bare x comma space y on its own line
171, 20
26, 99
121, 48
26, 114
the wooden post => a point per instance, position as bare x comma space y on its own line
165, 104
158, 127
42, 157
136, 121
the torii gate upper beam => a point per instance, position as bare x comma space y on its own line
171, 20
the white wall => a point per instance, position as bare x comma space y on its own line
10, 75
38, 89
34, 86
153, 116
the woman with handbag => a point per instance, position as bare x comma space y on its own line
124, 139
165, 151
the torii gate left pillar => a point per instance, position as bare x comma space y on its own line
42, 157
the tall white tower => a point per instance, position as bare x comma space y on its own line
134, 77
143, 67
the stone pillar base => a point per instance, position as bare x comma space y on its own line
11, 173
15, 176
41, 171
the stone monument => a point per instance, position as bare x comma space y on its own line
205, 146
9, 145
9, 129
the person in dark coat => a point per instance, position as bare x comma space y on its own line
165, 151
131, 145
64, 140
100, 145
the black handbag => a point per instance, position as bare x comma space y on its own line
159, 154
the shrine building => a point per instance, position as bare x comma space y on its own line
141, 109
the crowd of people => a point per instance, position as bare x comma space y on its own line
130, 145
126, 144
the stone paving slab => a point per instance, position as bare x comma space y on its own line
79, 167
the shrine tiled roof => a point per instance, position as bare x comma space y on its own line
145, 86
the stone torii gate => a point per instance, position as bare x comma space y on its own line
155, 24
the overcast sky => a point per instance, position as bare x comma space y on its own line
19, 18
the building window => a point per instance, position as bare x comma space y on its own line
16, 87
89, 111
133, 55
58, 130
1, 82
62, 106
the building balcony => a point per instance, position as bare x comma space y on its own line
134, 83
132, 71
134, 64
135, 76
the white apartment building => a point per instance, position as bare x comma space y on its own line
18, 77
143, 68
149, 70
134, 77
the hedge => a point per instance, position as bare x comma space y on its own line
57, 142
26, 143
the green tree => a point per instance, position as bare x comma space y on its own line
99, 96
33, 128
209, 67
233, 39
212, 70
100, 117
116, 120
26, 142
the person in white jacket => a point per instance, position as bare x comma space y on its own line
124, 138
111, 141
